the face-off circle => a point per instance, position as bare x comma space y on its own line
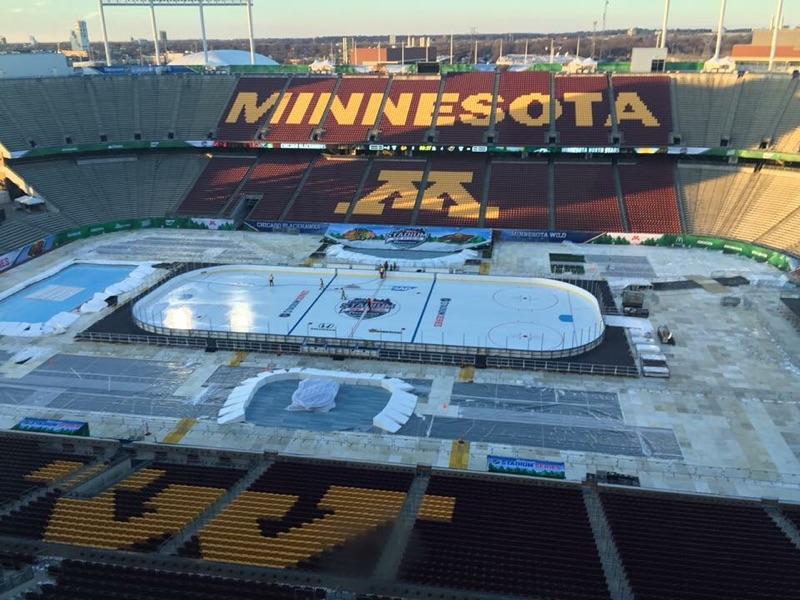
521, 298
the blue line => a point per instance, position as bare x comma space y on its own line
424, 308
325, 289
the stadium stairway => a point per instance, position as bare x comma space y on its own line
614, 569
389, 563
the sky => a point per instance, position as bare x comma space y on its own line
51, 20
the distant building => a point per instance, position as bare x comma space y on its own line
633, 32
3, 43
758, 50
79, 37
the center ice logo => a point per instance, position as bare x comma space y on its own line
369, 309
407, 238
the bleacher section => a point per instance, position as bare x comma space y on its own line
99, 190
643, 107
651, 201
138, 514
26, 464
461, 122
355, 110
215, 186
408, 110
250, 106
311, 516
585, 118
761, 101
523, 111
519, 191
586, 198
80, 580
62, 111
301, 109
326, 194
503, 537
454, 192
273, 182
390, 192
704, 104
787, 133
741, 203
673, 547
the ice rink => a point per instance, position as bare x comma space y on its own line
493, 312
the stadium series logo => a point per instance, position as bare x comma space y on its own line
408, 237
368, 308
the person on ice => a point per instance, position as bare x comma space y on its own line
344, 296
271, 280
321, 284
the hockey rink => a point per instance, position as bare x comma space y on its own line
462, 310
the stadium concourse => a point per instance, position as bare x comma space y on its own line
219, 230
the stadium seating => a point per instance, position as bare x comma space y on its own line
332, 184
274, 180
651, 201
704, 104
301, 109
349, 126
638, 125
761, 102
454, 192
93, 191
586, 198
514, 92
591, 127
768, 209
506, 538
460, 124
519, 191
214, 188
792, 512
61, 111
787, 133
321, 517
139, 513
26, 465
711, 193
390, 192
81, 580
250, 105
408, 110
673, 547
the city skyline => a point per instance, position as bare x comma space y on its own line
51, 20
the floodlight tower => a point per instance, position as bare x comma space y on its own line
720, 27
663, 41
776, 26
248, 4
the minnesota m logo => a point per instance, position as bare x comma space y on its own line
445, 191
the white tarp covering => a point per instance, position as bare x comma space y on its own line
338, 253
29, 200
315, 395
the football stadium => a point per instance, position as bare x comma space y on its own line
476, 334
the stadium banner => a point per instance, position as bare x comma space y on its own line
57, 426
526, 466
137, 145
288, 227
27, 252
547, 237
196, 223
429, 239
8, 259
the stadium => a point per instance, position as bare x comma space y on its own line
464, 335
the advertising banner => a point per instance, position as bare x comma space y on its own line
526, 466
195, 223
289, 227
428, 239
78, 428
549, 237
